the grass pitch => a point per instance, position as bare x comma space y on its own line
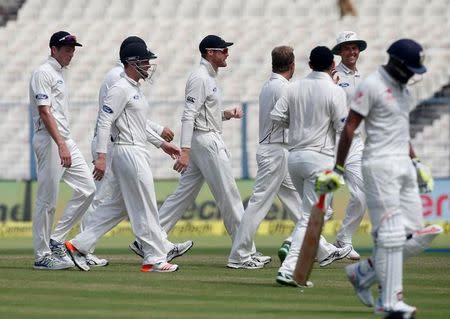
202, 288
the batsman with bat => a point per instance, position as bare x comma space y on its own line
314, 109
392, 175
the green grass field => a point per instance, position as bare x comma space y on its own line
202, 288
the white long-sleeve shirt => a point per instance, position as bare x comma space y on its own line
48, 88
314, 109
123, 116
385, 105
114, 75
272, 90
203, 103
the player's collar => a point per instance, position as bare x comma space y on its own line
319, 75
54, 63
133, 82
278, 76
341, 67
209, 67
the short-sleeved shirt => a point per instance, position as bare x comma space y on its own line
385, 104
314, 109
272, 90
203, 103
48, 88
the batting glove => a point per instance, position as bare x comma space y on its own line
424, 177
330, 181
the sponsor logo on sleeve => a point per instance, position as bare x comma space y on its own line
41, 96
190, 99
344, 84
107, 109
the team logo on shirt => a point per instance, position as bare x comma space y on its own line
343, 119
107, 109
215, 89
41, 96
358, 97
59, 82
344, 84
389, 95
190, 99
136, 97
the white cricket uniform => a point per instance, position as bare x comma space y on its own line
390, 178
123, 119
349, 80
314, 109
48, 88
105, 185
209, 157
272, 177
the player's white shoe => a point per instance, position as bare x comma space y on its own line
358, 280
339, 253
259, 257
179, 250
50, 262
159, 267
59, 252
286, 279
249, 264
136, 248
78, 258
402, 310
94, 261
353, 255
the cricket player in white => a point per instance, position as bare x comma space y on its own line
111, 78
58, 157
204, 155
392, 176
129, 162
348, 47
272, 177
314, 109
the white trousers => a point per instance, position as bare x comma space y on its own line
49, 174
304, 166
210, 161
271, 179
357, 203
395, 209
132, 190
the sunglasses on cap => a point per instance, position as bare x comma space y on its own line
68, 38
224, 50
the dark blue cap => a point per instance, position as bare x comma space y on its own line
136, 51
213, 42
410, 53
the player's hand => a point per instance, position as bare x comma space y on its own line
171, 149
233, 113
335, 76
64, 155
183, 161
329, 181
167, 134
99, 167
424, 177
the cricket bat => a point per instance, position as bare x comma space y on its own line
310, 244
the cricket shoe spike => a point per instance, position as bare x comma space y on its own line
339, 253
159, 267
78, 258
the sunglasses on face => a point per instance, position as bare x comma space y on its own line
224, 50
68, 38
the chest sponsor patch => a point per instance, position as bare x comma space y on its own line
107, 109
41, 96
136, 97
344, 84
190, 99
59, 82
